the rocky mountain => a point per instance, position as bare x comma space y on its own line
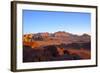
61, 36
56, 46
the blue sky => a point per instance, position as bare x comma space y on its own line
48, 21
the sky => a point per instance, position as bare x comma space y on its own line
35, 21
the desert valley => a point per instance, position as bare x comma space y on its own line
57, 46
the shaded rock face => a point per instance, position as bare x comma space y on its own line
52, 50
52, 53
27, 54
77, 45
35, 55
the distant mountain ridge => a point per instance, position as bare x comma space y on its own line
61, 36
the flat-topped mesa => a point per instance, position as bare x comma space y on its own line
61, 33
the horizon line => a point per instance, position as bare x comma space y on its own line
61, 31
